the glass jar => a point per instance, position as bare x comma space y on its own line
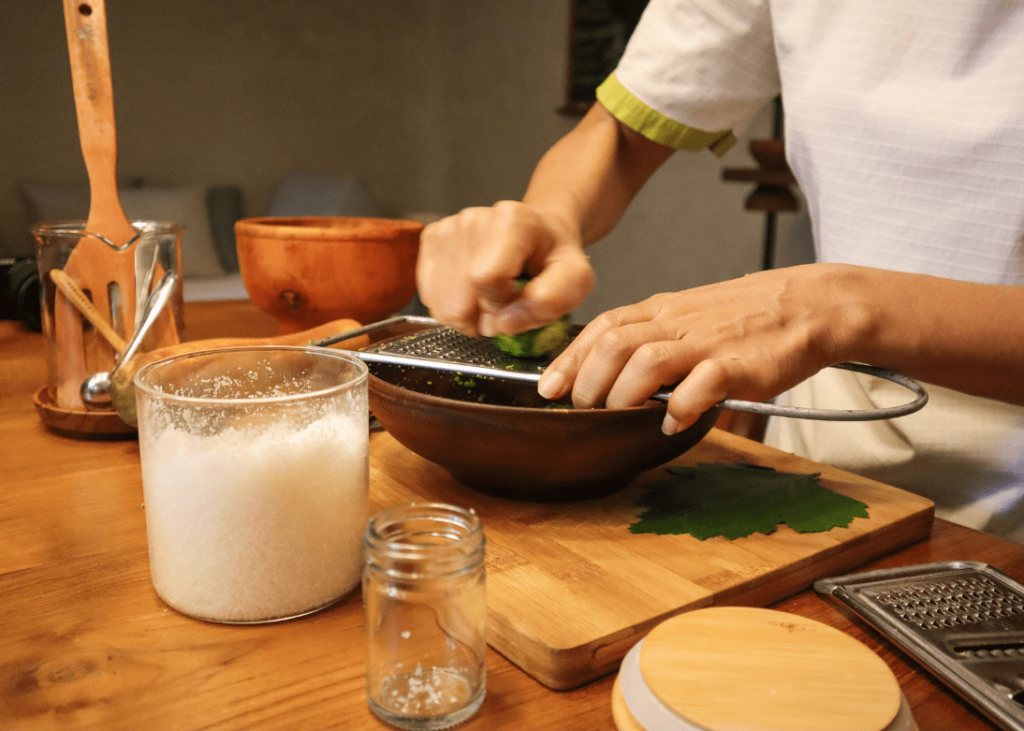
157, 243
255, 473
426, 615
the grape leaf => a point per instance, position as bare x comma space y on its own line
736, 500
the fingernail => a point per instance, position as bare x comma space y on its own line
488, 328
511, 318
669, 426
551, 385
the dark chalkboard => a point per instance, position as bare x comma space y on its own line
598, 35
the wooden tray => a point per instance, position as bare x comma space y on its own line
570, 589
81, 424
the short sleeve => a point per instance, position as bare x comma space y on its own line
695, 72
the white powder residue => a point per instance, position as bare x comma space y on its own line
256, 522
431, 692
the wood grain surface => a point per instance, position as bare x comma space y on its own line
570, 589
85, 643
744, 668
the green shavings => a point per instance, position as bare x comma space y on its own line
737, 500
536, 343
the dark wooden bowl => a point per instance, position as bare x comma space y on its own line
503, 439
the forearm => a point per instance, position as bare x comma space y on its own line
961, 335
588, 179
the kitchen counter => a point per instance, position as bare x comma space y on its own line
85, 643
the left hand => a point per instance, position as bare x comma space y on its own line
750, 338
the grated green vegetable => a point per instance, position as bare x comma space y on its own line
535, 343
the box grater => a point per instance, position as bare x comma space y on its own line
962, 620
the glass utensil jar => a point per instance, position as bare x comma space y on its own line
426, 615
255, 476
158, 243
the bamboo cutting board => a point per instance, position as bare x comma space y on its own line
570, 589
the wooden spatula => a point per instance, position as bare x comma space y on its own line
103, 264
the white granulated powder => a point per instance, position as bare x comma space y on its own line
428, 692
256, 522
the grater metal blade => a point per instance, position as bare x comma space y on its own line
441, 348
962, 620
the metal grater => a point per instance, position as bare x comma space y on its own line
963, 620
441, 348
443, 343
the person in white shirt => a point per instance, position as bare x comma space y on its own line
904, 125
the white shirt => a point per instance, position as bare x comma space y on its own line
904, 124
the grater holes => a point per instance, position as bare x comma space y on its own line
443, 344
951, 603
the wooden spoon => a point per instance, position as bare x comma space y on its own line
71, 290
102, 265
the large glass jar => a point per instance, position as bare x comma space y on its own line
255, 474
426, 615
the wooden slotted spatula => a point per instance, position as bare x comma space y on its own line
103, 263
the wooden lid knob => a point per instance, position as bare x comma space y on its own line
742, 668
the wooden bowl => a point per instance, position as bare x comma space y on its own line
305, 271
503, 439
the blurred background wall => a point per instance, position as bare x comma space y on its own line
435, 104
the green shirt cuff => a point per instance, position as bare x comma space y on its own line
656, 126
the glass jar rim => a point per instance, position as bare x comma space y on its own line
468, 543
65, 232
74, 227
361, 377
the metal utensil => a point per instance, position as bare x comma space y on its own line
96, 388
441, 348
963, 620
146, 262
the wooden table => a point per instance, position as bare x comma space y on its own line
85, 643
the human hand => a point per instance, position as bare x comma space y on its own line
750, 338
468, 264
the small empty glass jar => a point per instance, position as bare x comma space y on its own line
426, 615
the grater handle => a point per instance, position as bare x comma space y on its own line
753, 407
374, 327
798, 412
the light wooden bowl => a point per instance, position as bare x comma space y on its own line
307, 270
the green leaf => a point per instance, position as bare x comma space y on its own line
736, 500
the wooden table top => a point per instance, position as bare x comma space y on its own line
85, 643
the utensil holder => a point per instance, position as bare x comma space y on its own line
74, 349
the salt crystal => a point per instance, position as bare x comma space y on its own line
257, 521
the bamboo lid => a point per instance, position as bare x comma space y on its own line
746, 669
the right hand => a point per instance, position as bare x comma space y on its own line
468, 264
